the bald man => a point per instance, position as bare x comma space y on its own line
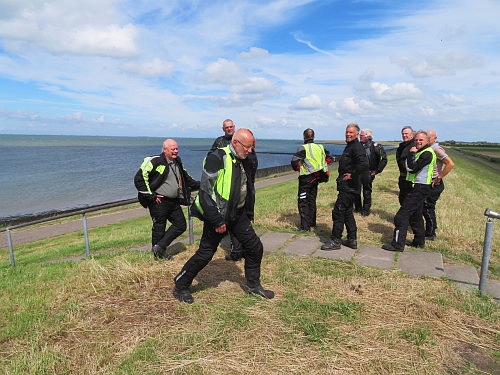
444, 165
224, 203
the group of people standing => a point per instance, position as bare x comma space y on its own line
226, 195
422, 164
361, 160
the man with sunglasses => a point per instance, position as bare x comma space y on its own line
225, 202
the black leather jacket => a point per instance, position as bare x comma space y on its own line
377, 158
354, 161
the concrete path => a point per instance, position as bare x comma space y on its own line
418, 263
412, 262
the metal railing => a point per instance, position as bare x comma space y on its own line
261, 173
83, 213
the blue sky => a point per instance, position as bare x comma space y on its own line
179, 68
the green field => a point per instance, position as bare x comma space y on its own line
489, 152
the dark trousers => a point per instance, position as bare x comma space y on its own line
410, 213
366, 183
430, 209
235, 244
343, 214
252, 247
167, 209
306, 204
404, 188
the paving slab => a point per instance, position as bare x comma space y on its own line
273, 241
303, 246
373, 256
421, 263
493, 289
465, 277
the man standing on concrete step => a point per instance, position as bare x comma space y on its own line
311, 161
352, 163
420, 165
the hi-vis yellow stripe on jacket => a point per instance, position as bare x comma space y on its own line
222, 189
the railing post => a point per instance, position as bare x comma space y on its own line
11, 248
488, 233
86, 235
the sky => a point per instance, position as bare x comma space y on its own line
178, 68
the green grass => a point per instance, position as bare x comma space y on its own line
114, 314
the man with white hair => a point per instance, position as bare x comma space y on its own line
444, 164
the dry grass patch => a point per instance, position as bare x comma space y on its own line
328, 317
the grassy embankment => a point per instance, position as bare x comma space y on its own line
113, 314
487, 152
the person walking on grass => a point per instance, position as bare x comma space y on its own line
224, 203
352, 163
311, 161
163, 185
444, 165
377, 160
228, 127
420, 165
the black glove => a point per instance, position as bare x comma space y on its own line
152, 198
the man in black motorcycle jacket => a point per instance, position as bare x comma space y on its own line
164, 185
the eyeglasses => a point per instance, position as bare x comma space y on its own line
248, 148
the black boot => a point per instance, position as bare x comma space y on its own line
254, 286
234, 256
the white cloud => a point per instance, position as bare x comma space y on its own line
83, 27
356, 106
453, 99
439, 64
254, 52
310, 102
223, 71
255, 85
428, 111
153, 68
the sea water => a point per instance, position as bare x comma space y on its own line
41, 174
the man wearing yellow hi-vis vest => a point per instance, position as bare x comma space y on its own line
420, 166
225, 202
311, 161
